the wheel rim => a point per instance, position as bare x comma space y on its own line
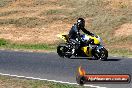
62, 52
100, 55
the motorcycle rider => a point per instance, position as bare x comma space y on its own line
74, 33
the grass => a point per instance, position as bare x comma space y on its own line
44, 2
53, 12
3, 42
120, 40
57, 15
103, 18
120, 52
103, 21
30, 22
32, 46
5, 2
8, 45
64, 12
13, 82
8, 13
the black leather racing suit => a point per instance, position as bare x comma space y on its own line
74, 34
75, 31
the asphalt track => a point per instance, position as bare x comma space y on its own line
50, 66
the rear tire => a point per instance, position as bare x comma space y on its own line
62, 51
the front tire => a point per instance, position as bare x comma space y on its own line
101, 54
104, 54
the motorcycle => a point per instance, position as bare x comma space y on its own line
93, 47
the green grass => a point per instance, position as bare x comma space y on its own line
32, 46
13, 82
3, 42
120, 52
8, 45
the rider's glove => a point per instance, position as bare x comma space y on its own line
93, 35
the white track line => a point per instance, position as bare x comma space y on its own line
49, 80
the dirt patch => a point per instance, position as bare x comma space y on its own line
47, 35
124, 30
121, 46
26, 8
116, 5
54, 0
20, 2
26, 12
119, 3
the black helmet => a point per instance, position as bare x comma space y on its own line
81, 22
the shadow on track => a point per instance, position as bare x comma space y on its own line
88, 58
111, 59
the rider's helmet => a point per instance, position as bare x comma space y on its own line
81, 22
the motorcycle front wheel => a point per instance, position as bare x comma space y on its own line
101, 54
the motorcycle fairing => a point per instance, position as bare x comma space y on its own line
86, 51
87, 37
63, 37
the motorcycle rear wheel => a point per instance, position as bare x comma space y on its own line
62, 50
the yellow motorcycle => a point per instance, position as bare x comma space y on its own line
90, 46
